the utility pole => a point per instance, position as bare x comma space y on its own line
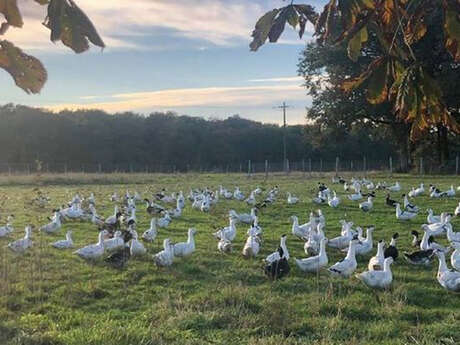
284, 107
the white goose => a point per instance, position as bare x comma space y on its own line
54, 226
183, 249
228, 232
438, 229
255, 228
64, 244
91, 199
238, 195
347, 266
404, 215
395, 188
366, 206
136, 248
244, 217
451, 235
314, 263
252, 246
376, 262
166, 256
417, 191
251, 200
224, 245
457, 210
114, 243
333, 202
164, 221
378, 279
432, 219
150, 234
341, 242
355, 197
225, 193
93, 251
450, 193
455, 257
312, 246
449, 279
301, 231
364, 247
113, 219
292, 200
21, 245
8, 228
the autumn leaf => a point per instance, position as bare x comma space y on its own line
9, 8
353, 83
70, 24
377, 88
356, 42
27, 71
452, 28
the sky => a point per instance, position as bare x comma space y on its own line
190, 57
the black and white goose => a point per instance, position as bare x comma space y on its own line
276, 264
420, 257
392, 250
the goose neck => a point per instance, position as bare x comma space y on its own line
442, 262
351, 251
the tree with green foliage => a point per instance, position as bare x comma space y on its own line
66, 22
401, 70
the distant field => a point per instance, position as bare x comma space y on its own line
53, 297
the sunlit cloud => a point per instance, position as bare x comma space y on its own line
280, 80
249, 96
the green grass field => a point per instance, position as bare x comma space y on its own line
53, 297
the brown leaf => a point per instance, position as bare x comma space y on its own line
452, 28
27, 71
70, 24
9, 8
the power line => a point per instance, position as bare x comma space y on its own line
284, 106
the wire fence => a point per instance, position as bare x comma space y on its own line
308, 165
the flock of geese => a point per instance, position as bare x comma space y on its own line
118, 239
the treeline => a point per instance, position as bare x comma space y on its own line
94, 137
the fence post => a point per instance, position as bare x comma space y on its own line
9, 170
336, 166
287, 167
320, 166
421, 166
364, 166
456, 164
391, 166
351, 165
303, 167
309, 166
99, 167
249, 168
266, 169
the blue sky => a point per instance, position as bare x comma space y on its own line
191, 57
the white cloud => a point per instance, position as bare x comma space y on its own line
217, 22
